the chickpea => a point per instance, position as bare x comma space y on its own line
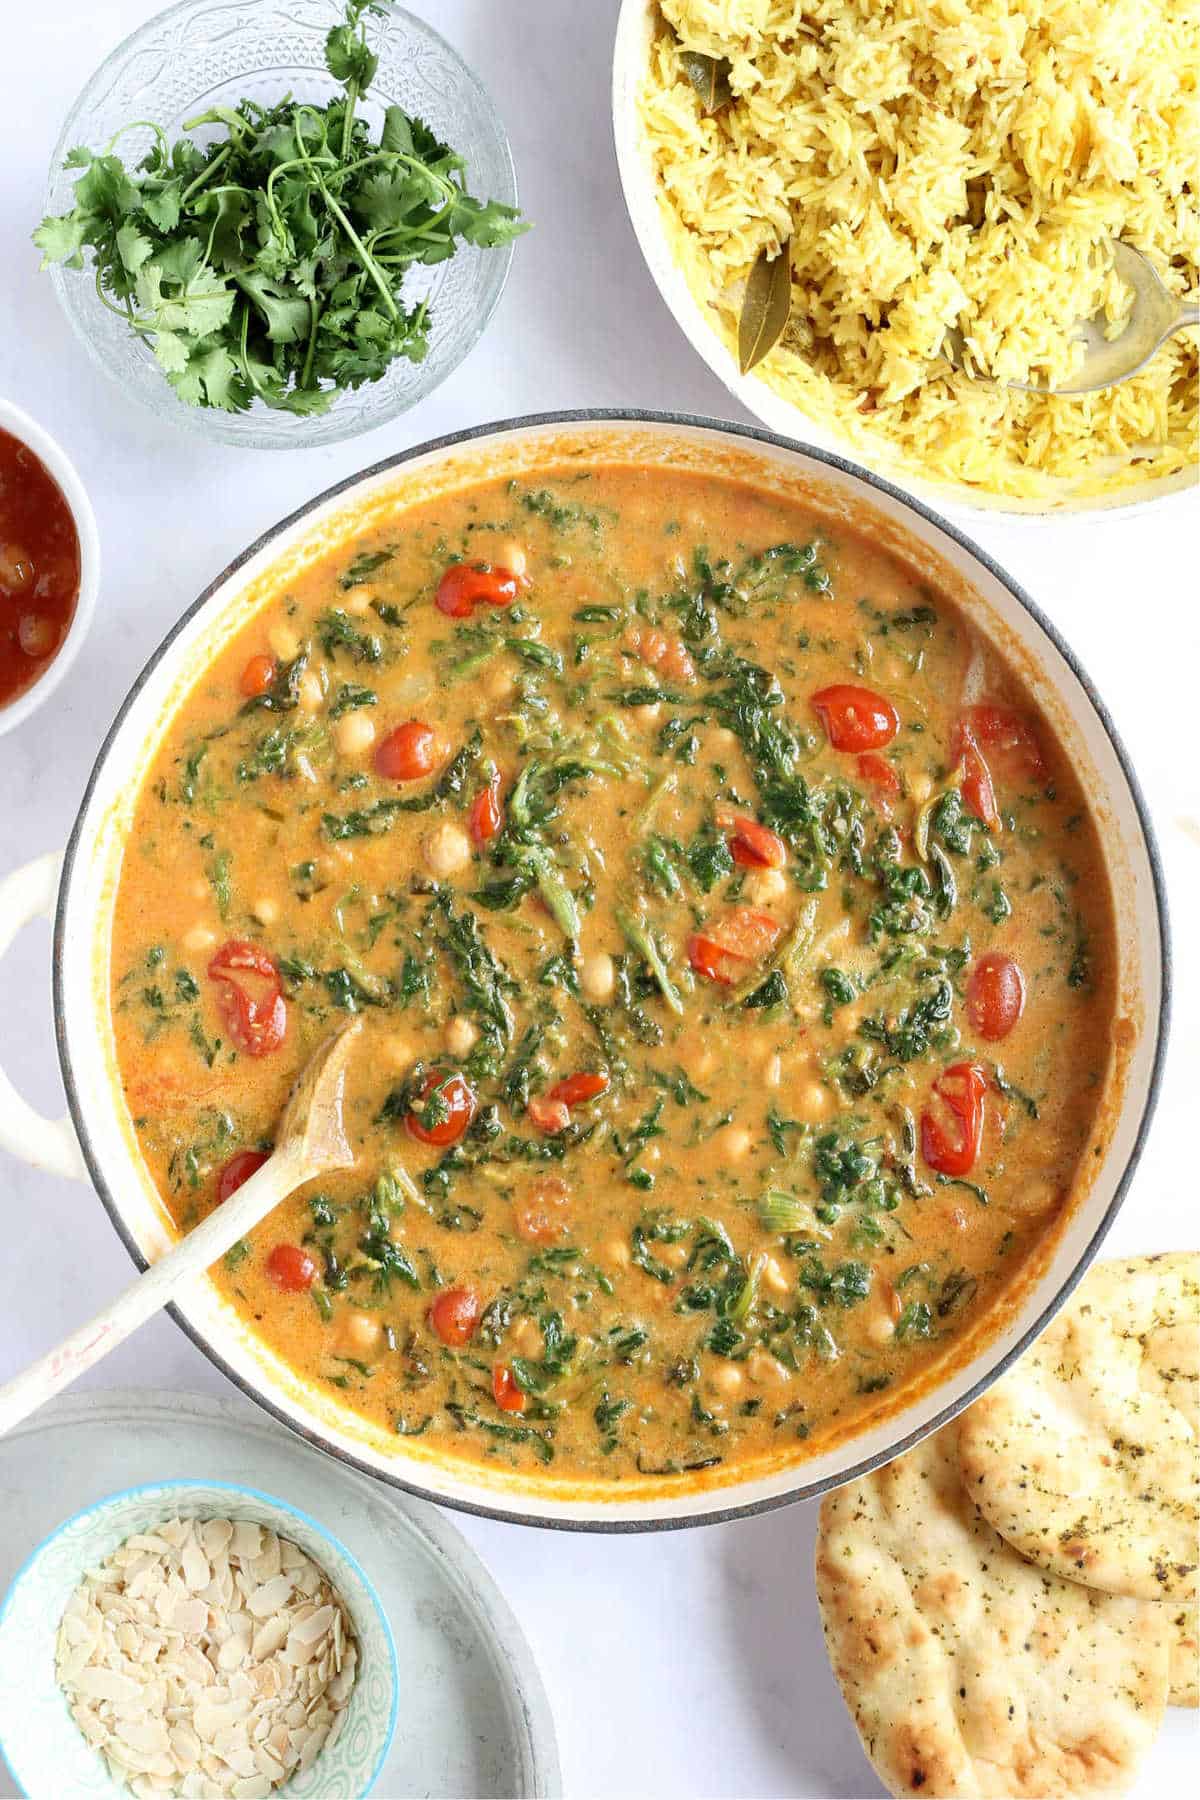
722, 739
881, 1330
616, 1253
920, 787
398, 1051
773, 1277
732, 1143
265, 910
727, 1380
763, 1369
284, 643
813, 1101
526, 1338
360, 1335
447, 850
1038, 1197
502, 684
200, 890
648, 715
764, 885
358, 600
511, 556
199, 938
310, 694
598, 977
353, 733
461, 1036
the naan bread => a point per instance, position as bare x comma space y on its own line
1086, 1456
968, 1671
1185, 1655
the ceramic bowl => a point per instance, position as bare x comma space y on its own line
204, 53
46, 1752
636, 26
55, 459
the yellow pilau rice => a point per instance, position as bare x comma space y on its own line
939, 163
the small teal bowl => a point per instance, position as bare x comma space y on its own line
44, 1748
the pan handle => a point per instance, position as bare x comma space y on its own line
50, 1144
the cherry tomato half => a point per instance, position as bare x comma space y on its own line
977, 789
457, 1102
454, 1314
573, 1090
409, 752
721, 951
257, 676
877, 772
249, 995
465, 585
540, 1218
507, 1395
485, 815
752, 845
952, 1127
291, 1268
240, 959
1010, 735
855, 718
237, 1170
995, 995
548, 1115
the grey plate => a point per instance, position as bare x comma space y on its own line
474, 1718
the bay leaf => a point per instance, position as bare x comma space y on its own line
709, 75
765, 308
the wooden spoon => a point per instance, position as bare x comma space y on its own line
311, 1141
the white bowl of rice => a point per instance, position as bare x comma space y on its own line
954, 164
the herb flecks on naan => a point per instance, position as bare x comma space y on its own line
735, 953
1086, 1456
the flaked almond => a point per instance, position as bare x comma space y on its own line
208, 1657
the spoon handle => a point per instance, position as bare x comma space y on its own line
279, 1176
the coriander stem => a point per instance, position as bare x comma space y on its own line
348, 116
246, 370
429, 229
204, 175
142, 125
315, 314
126, 312
368, 261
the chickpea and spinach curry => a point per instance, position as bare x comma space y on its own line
734, 947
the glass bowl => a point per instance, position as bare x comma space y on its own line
204, 53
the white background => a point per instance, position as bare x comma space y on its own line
678, 1664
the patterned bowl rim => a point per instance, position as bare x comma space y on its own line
181, 1486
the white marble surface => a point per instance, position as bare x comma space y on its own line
695, 1658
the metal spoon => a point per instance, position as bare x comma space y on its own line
311, 1141
1154, 317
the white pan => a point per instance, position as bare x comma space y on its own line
96, 1142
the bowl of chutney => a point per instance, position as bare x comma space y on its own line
49, 565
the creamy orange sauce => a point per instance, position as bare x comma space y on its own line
805, 1160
